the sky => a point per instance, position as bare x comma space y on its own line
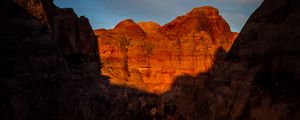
107, 13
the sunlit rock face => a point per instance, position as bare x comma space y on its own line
148, 56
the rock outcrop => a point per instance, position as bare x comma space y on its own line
148, 56
49, 62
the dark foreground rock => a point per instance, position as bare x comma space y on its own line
49, 63
262, 67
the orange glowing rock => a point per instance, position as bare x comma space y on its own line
148, 57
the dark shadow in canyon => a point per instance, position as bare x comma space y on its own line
188, 97
192, 97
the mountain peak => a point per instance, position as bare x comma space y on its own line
126, 23
207, 10
128, 26
149, 27
149, 24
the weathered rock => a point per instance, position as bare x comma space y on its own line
149, 56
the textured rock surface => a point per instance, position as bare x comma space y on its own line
49, 63
148, 56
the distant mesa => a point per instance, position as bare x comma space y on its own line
148, 57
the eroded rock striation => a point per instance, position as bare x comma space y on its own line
148, 56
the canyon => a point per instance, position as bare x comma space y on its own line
148, 57
50, 67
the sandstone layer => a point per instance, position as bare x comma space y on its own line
149, 57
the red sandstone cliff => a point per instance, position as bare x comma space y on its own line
148, 56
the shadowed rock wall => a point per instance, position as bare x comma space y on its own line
49, 62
